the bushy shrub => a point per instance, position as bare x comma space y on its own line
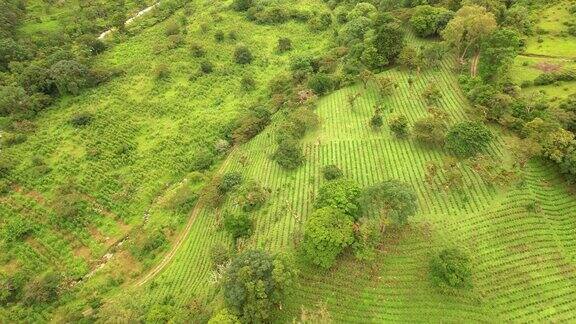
331, 172
172, 28
43, 289
467, 139
238, 225
430, 130
321, 83
243, 55
398, 125
451, 268
206, 67
219, 36
203, 159
81, 119
428, 21
252, 196
220, 254
230, 181
197, 50
161, 71
284, 45
248, 83
242, 5
289, 154
251, 124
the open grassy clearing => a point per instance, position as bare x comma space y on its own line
552, 38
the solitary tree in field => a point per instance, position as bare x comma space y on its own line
469, 27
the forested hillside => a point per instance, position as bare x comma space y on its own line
251, 161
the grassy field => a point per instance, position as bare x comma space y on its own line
522, 258
551, 37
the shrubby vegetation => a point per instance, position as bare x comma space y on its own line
451, 269
255, 284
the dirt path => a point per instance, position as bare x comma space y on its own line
474, 65
130, 20
191, 219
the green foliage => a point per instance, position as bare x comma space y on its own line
498, 53
430, 21
242, 5
469, 27
451, 268
467, 139
284, 45
398, 125
69, 76
161, 71
410, 57
342, 195
243, 55
332, 172
230, 181
42, 290
391, 198
389, 41
255, 284
321, 83
252, 196
224, 317
431, 130
238, 225
519, 18
81, 120
376, 121
326, 233
251, 124
289, 154
368, 236
220, 254
206, 67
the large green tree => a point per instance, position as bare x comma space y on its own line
497, 54
327, 232
469, 27
255, 284
340, 194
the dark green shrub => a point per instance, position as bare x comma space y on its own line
81, 119
242, 5
197, 50
331, 172
206, 67
252, 196
230, 181
451, 268
172, 28
161, 71
398, 125
242, 55
255, 285
202, 160
289, 154
391, 198
220, 254
238, 225
321, 83
248, 83
467, 139
219, 36
284, 45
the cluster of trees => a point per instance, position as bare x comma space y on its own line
347, 216
371, 39
268, 13
289, 154
490, 35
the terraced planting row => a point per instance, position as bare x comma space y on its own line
344, 139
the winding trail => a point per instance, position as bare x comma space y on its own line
130, 20
184, 234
